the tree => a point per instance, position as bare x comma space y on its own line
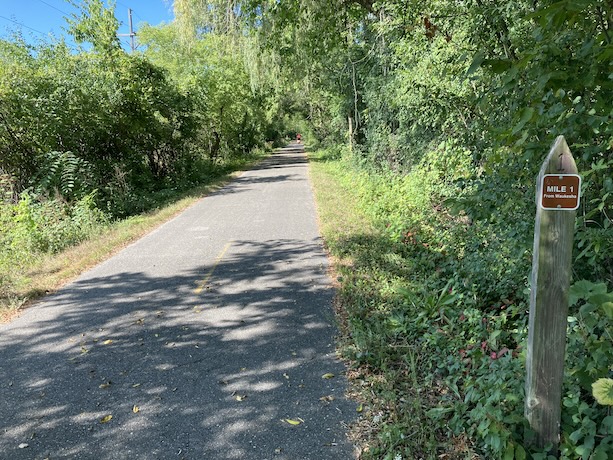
95, 24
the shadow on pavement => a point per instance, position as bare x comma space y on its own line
211, 374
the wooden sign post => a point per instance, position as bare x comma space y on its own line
557, 198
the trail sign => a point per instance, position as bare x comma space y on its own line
558, 187
560, 192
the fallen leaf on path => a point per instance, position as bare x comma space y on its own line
360, 408
106, 419
107, 342
286, 376
136, 385
135, 409
84, 350
23, 445
294, 422
105, 385
328, 398
240, 397
328, 376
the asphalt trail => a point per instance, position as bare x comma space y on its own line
206, 339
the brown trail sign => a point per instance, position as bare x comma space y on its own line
557, 198
560, 191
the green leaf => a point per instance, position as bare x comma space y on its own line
294, 422
608, 309
437, 412
526, 115
509, 453
600, 453
476, 63
601, 298
520, 453
583, 289
575, 436
497, 65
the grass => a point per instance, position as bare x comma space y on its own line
385, 375
47, 273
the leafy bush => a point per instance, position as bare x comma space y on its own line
36, 225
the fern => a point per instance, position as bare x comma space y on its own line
65, 174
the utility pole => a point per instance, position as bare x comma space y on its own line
132, 34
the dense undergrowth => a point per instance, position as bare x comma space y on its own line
436, 314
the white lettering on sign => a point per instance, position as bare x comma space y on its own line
560, 195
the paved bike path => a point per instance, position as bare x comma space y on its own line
206, 339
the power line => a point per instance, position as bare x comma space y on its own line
136, 14
126, 6
23, 25
55, 8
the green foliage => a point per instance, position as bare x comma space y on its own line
131, 127
213, 70
64, 174
35, 226
95, 24
115, 118
450, 296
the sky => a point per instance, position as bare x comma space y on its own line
38, 18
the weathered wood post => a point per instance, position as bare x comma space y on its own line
557, 198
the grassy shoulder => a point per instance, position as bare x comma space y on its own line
42, 274
384, 373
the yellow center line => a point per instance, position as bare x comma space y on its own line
207, 277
